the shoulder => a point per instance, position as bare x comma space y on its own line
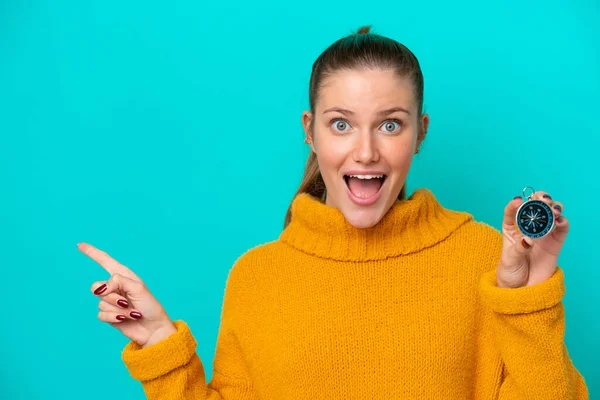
261, 253
482, 231
256, 259
480, 243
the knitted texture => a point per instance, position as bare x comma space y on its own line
407, 309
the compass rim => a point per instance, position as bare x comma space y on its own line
549, 226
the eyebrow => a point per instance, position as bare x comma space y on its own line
382, 112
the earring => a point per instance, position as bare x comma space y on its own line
307, 141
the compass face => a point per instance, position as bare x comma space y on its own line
535, 218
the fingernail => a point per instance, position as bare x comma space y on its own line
135, 314
100, 289
559, 219
547, 196
517, 197
123, 303
557, 208
525, 244
121, 317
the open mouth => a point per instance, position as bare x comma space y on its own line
364, 186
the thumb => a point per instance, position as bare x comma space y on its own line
517, 251
510, 211
134, 290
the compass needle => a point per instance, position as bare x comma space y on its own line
534, 218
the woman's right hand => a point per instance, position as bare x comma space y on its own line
126, 303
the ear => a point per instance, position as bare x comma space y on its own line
307, 118
423, 127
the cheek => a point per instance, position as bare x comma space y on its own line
330, 157
399, 157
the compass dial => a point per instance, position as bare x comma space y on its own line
535, 219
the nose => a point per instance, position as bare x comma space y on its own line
365, 149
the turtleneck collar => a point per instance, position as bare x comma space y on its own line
410, 225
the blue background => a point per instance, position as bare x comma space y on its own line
169, 135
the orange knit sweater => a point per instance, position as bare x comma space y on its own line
407, 309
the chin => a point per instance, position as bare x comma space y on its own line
363, 223
365, 218
359, 214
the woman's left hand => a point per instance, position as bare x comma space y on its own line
525, 261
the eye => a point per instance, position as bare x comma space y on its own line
390, 124
341, 123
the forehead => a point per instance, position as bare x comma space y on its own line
366, 91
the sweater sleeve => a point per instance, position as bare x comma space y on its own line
172, 370
528, 326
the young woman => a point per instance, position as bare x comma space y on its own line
366, 293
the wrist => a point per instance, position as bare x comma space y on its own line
161, 334
505, 285
510, 277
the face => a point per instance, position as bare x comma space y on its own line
365, 149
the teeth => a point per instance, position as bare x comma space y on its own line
366, 176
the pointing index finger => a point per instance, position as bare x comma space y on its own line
107, 262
